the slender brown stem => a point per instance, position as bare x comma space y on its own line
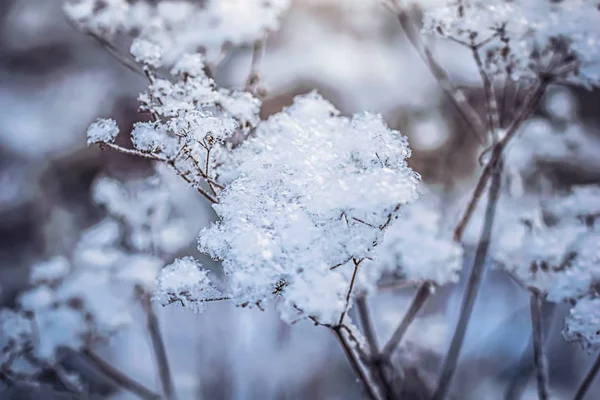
475, 278
119, 377
423, 293
350, 288
488, 89
456, 96
160, 353
258, 52
371, 337
368, 383
588, 380
497, 152
539, 358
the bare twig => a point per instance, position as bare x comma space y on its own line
350, 288
119, 377
488, 89
475, 278
588, 380
371, 337
258, 52
497, 150
158, 345
539, 358
132, 152
419, 300
457, 97
369, 385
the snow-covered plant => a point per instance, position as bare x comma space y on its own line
316, 209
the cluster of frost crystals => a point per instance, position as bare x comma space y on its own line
416, 247
583, 323
180, 26
146, 53
186, 283
555, 250
524, 35
309, 197
102, 131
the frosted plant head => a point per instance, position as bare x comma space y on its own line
180, 27
186, 283
525, 38
102, 131
309, 197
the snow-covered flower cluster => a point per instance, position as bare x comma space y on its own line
583, 323
526, 37
77, 301
181, 26
186, 283
555, 249
309, 196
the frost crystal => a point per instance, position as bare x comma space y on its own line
146, 53
185, 282
583, 323
102, 131
310, 192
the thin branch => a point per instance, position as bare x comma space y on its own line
588, 380
497, 150
539, 358
119, 377
258, 53
475, 278
417, 303
371, 337
350, 288
368, 383
132, 152
488, 89
457, 97
158, 346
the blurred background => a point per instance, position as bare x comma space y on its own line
55, 81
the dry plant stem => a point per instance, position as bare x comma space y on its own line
258, 52
119, 377
588, 380
497, 150
350, 288
371, 337
160, 354
449, 366
488, 88
539, 358
419, 300
354, 361
456, 96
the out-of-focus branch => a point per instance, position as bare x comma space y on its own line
488, 89
417, 303
158, 346
119, 378
588, 380
258, 53
475, 278
539, 358
457, 97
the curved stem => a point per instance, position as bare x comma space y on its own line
119, 377
419, 300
